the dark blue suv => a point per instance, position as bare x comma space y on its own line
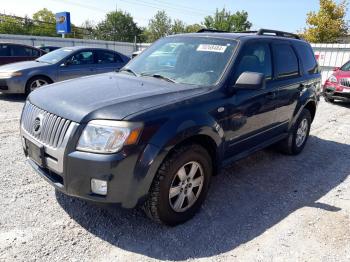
154, 133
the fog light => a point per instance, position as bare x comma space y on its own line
99, 187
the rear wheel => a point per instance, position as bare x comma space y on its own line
180, 186
36, 82
298, 135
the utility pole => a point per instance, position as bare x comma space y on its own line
114, 22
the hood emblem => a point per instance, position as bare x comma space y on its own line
37, 125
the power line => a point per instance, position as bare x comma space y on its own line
159, 6
182, 6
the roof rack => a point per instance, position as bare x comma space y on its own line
277, 33
266, 32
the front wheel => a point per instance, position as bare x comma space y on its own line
298, 135
180, 186
35, 83
329, 100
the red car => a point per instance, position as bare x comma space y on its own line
10, 53
337, 86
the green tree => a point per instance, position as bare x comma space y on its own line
178, 27
44, 23
118, 26
226, 21
193, 28
159, 26
11, 25
89, 29
328, 24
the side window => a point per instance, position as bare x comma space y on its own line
286, 61
307, 56
4, 50
81, 58
17, 50
106, 57
35, 53
255, 57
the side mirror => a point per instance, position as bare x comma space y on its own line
336, 69
250, 81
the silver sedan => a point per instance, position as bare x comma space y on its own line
61, 64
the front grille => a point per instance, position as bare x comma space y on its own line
345, 82
45, 127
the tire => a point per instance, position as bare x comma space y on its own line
164, 208
32, 83
292, 145
329, 100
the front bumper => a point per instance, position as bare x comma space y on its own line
128, 177
336, 92
14, 85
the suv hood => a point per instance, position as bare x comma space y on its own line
108, 96
13, 67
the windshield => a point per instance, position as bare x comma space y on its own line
55, 56
187, 60
345, 67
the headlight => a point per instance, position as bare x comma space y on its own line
105, 136
333, 79
9, 74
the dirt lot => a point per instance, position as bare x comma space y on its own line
268, 207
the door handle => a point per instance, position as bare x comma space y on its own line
271, 95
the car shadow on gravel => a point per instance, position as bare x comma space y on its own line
13, 97
245, 200
342, 104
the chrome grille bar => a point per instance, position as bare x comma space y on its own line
53, 128
345, 82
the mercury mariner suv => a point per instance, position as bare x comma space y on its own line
154, 133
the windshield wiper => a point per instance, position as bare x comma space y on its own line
160, 77
129, 70
39, 61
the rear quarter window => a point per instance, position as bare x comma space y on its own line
286, 61
307, 57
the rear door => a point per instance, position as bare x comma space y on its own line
288, 81
250, 117
81, 63
108, 61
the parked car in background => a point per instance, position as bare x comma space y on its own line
136, 53
10, 53
337, 86
58, 65
154, 133
48, 48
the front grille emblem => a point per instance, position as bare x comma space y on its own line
37, 125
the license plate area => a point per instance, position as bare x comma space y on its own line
36, 153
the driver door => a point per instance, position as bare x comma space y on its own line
250, 118
81, 63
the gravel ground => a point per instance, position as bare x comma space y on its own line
268, 207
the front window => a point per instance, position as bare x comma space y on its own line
55, 56
186, 60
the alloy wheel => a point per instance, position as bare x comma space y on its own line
186, 186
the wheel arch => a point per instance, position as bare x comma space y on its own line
311, 106
39, 75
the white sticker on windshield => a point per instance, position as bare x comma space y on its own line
67, 50
212, 48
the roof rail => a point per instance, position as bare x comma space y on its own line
277, 33
209, 30
266, 32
